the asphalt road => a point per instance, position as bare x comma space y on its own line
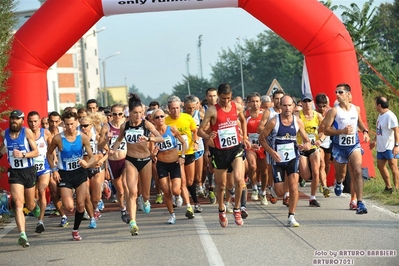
329, 235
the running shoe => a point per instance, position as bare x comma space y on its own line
100, 205
388, 190
147, 206
302, 182
223, 219
244, 213
201, 192
36, 211
140, 203
263, 200
86, 216
134, 229
39, 227
174, 201
97, 215
124, 217
273, 196
361, 208
286, 201
292, 222
93, 223
254, 195
314, 203
159, 199
171, 220
64, 222
23, 240
197, 208
76, 236
326, 192
338, 189
190, 213
237, 217
179, 201
212, 197
228, 208
107, 190
353, 205
114, 200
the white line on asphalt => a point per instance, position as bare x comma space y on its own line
209, 246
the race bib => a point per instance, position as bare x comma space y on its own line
347, 140
39, 163
166, 145
312, 138
122, 146
133, 135
253, 138
286, 152
17, 163
72, 165
180, 146
227, 137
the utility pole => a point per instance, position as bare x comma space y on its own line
104, 83
242, 74
188, 73
200, 56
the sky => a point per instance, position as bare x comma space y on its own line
153, 47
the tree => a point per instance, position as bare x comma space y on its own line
197, 85
359, 23
8, 21
264, 58
329, 5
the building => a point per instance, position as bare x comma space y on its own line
75, 77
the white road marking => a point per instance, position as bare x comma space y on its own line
209, 246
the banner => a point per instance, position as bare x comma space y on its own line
115, 7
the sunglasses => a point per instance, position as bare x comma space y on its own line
339, 92
159, 116
84, 126
117, 114
306, 101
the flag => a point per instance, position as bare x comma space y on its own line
305, 80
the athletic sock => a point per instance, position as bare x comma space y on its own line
78, 220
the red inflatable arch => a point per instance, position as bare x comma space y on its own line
309, 26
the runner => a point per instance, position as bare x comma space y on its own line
21, 148
342, 123
223, 118
188, 129
255, 156
136, 131
43, 140
116, 161
284, 153
168, 161
70, 171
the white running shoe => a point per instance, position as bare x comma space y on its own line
292, 222
179, 201
254, 195
140, 203
263, 200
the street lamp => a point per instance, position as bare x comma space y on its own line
242, 74
105, 103
83, 51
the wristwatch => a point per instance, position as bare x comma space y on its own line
396, 144
23, 154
